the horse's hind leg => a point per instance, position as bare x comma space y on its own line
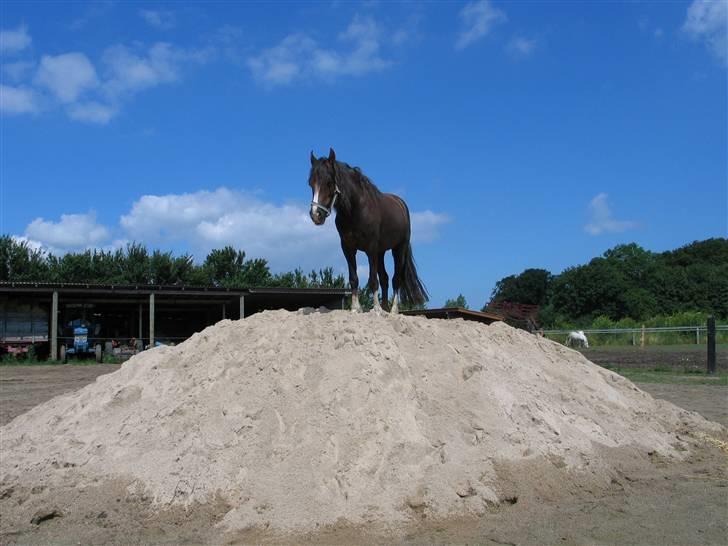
373, 282
396, 279
383, 282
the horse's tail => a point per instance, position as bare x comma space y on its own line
411, 289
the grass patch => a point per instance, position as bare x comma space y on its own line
660, 374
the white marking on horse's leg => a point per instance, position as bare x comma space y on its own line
355, 306
395, 305
377, 305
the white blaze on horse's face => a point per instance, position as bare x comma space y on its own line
315, 213
314, 199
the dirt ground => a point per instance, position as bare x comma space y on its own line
683, 503
677, 357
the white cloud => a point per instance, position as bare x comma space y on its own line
602, 220
128, 71
72, 79
12, 41
426, 225
707, 20
199, 221
67, 76
18, 100
520, 48
300, 56
365, 34
92, 112
161, 19
477, 20
282, 234
282, 63
72, 232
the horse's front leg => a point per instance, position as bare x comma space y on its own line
373, 282
350, 255
383, 281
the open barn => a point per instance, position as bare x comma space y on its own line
124, 319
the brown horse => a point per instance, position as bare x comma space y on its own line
370, 221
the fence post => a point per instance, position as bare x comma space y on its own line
711, 344
642, 337
697, 335
54, 326
151, 320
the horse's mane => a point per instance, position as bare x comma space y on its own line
353, 180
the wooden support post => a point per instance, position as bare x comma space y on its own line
711, 344
242, 307
642, 337
151, 320
54, 326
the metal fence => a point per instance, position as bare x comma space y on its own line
656, 335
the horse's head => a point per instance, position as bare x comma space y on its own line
324, 187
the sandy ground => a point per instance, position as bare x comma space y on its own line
682, 503
23, 387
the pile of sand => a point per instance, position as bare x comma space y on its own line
303, 419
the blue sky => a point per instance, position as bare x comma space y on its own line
521, 134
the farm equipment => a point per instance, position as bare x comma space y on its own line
23, 328
83, 345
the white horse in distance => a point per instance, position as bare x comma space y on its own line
577, 338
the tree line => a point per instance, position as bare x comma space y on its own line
135, 264
626, 282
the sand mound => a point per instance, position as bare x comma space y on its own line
303, 419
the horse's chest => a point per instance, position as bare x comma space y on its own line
354, 238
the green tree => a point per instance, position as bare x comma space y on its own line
20, 262
587, 291
72, 267
162, 268
224, 265
252, 273
532, 287
135, 265
457, 302
107, 267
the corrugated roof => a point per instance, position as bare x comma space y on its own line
172, 289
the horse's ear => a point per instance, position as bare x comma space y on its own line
313, 158
332, 154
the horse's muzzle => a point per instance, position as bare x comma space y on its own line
316, 216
